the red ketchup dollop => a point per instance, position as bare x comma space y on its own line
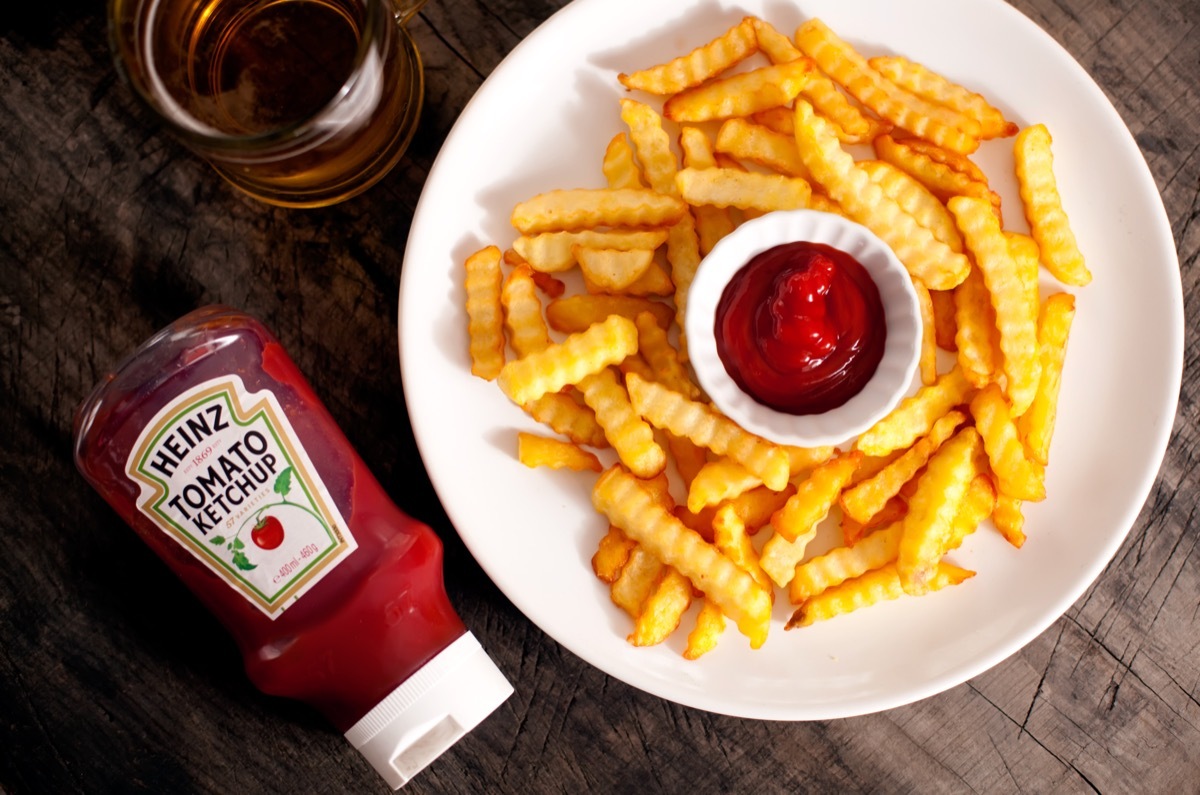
801, 328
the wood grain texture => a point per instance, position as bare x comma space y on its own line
109, 229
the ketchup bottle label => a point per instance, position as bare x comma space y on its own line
221, 471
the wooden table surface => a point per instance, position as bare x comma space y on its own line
113, 678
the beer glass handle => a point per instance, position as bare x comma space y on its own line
405, 9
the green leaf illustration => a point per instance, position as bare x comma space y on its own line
238, 544
283, 483
217, 540
242, 562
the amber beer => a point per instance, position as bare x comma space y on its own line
300, 103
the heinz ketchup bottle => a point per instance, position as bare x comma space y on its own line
212, 446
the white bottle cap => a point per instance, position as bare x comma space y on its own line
450, 695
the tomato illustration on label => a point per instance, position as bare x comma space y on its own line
267, 532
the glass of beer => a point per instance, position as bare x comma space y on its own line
299, 103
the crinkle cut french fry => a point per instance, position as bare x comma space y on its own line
928, 360
611, 270
756, 507
871, 588
569, 361
945, 328
620, 169
854, 531
727, 50
588, 208
718, 481
636, 580
975, 335
663, 610
543, 451
629, 435
865, 499
926, 257
652, 145
942, 179
726, 187
845, 563
575, 313
777, 47
814, 496
978, 503
552, 252
564, 416
916, 200
762, 145
1043, 207
527, 331
780, 556
664, 360
612, 553
710, 624
915, 415
740, 94
1018, 476
1016, 315
627, 504
1010, 520
926, 83
666, 409
730, 536
850, 70
485, 326
932, 510
1036, 425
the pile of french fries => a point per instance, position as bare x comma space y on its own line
697, 507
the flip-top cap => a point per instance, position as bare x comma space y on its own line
450, 695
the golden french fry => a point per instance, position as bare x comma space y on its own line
612, 554
652, 145
754, 508
814, 496
945, 327
630, 436
853, 531
777, 47
718, 481
485, 327
866, 498
976, 337
629, 505
926, 83
955, 161
564, 416
1016, 315
925, 257
620, 170
915, 415
712, 223
978, 503
552, 287
727, 50
527, 331
654, 282
586, 208
1017, 475
542, 451
1026, 256
780, 556
575, 313
932, 510
1043, 207
612, 270
689, 458
928, 361
552, 252
762, 145
850, 70
1009, 520
726, 187
845, 563
1036, 425
740, 94
636, 580
942, 179
569, 361
666, 409
871, 588
665, 362
730, 536
663, 609
710, 624
916, 200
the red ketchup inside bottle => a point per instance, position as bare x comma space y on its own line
212, 446
801, 328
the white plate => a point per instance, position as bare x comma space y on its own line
541, 121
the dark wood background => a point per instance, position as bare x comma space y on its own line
112, 678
